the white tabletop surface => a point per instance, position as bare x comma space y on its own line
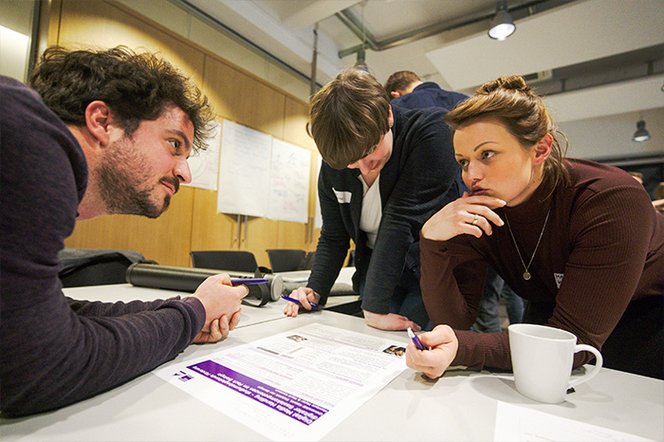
461, 406
127, 292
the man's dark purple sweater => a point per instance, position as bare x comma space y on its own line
55, 351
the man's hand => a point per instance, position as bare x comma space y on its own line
219, 329
221, 301
389, 321
443, 346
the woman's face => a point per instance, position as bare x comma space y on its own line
494, 163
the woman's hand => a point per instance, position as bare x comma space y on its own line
306, 296
471, 215
443, 346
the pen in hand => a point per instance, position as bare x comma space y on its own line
314, 306
415, 340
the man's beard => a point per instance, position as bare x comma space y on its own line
122, 183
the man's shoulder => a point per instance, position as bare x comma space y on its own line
8, 82
409, 118
11, 88
429, 94
22, 104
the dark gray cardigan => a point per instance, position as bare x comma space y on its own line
418, 180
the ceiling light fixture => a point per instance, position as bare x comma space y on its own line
641, 133
360, 62
502, 25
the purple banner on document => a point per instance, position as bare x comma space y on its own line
285, 403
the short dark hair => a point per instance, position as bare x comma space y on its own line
135, 86
400, 81
348, 116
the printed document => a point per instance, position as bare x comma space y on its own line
296, 385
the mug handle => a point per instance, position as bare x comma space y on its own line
598, 364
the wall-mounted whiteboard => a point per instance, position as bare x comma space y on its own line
289, 182
204, 164
244, 171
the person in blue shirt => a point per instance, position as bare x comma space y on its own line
408, 91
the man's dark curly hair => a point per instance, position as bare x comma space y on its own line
135, 86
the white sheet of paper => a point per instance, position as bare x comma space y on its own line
519, 424
244, 170
289, 182
318, 217
204, 164
296, 385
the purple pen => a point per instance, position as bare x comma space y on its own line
415, 340
314, 306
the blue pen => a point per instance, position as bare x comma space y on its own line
416, 340
248, 281
314, 306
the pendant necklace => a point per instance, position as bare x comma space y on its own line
526, 273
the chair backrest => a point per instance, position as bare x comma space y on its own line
81, 267
286, 260
308, 261
231, 260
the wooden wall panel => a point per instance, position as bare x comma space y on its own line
103, 24
292, 235
296, 116
258, 235
244, 99
211, 230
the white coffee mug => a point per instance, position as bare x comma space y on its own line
542, 361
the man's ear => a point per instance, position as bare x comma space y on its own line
98, 120
390, 117
395, 94
542, 149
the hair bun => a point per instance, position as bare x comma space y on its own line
508, 82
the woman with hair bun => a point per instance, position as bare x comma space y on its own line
577, 239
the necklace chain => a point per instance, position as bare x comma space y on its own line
526, 273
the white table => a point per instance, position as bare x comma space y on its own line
461, 406
127, 292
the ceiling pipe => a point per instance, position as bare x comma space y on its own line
313, 87
355, 26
